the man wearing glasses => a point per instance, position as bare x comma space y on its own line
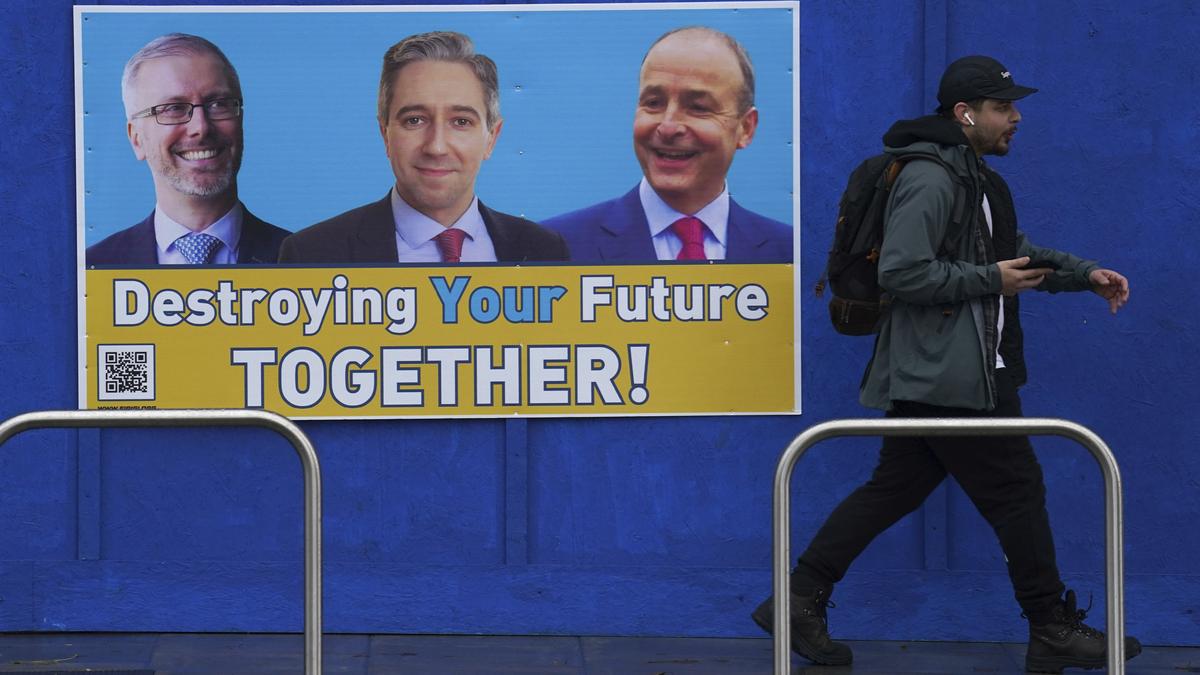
183, 102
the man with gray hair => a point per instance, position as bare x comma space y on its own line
183, 109
695, 109
439, 116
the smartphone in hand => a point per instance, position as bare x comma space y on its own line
1041, 263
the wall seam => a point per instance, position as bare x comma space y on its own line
87, 494
516, 492
935, 42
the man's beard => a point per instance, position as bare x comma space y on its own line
200, 186
197, 184
1001, 145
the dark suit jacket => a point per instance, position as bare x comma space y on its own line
135, 246
616, 231
367, 234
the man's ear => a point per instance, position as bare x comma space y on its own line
962, 113
135, 141
495, 134
746, 127
383, 135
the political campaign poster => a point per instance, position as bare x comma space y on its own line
439, 211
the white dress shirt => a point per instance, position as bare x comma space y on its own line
415, 234
987, 215
660, 216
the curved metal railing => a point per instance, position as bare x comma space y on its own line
220, 418
996, 426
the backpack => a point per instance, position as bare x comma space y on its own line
852, 271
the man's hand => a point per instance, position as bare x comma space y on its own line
1014, 278
1111, 286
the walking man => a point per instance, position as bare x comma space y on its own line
951, 346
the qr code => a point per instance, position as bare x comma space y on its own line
125, 372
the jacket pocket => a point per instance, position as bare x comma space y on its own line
924, 338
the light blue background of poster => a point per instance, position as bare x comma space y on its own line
568, 83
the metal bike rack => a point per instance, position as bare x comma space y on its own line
997, 426
220, 418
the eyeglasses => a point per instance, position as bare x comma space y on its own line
181, 113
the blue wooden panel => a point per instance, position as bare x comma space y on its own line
37, 209
653, 491
16, 594
413, 491
37, 496
202, 596
679, 491
168, 596
88, 494
200, 494
516, 492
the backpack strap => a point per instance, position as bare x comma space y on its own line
894, 169
961, 219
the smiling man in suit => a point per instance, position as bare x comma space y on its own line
695, 110
183, 104
439, 116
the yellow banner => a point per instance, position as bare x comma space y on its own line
444, 341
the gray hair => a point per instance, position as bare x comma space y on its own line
746, 95
172, 44
440, 46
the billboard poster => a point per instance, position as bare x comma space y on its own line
439, 211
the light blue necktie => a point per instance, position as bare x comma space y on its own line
198, 248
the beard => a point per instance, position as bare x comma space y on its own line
194, 183
1000, 144
202, 185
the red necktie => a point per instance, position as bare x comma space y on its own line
449, 244
690, 231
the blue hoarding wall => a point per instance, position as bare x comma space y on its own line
650, 526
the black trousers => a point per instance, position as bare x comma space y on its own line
1000, 474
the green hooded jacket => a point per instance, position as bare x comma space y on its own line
930, 346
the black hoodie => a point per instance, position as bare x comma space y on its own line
933, 128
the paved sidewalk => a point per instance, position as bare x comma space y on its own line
252, 654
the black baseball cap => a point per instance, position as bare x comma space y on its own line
973, 77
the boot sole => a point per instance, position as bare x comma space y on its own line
799, 646
1056, 664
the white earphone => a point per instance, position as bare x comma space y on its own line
969, 120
